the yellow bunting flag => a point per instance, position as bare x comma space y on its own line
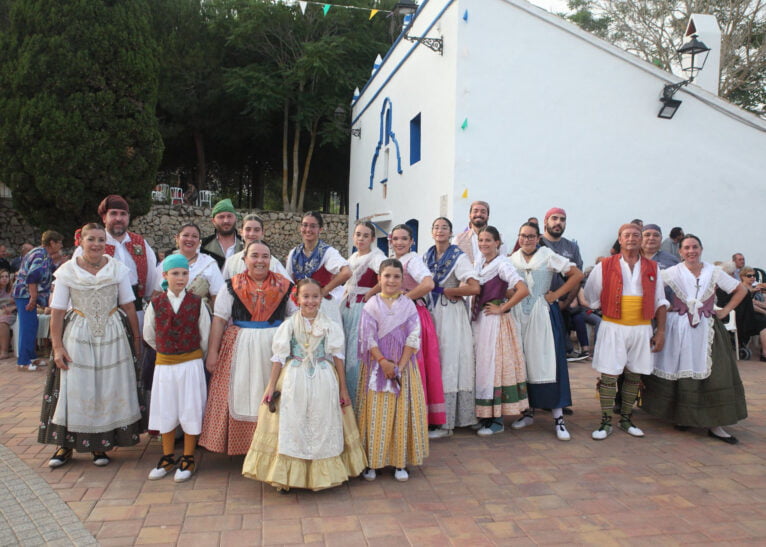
465, 194
373, 12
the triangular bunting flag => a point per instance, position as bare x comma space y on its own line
326, 8
465, 194
302, 5
372, 13
464, 125
465, 16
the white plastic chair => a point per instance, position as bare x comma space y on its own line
205, 196
731, 326
176, 195
164, 189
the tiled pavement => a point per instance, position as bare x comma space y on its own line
520, 487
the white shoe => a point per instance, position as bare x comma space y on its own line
32, 367
604, 430
369, 474
493, 427
157, 473
439, 433
527, 418
401, 475
561, 430
182, 476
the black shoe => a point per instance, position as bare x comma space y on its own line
100, 459
61, 456
728, 440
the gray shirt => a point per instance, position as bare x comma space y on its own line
566, 248
670, 247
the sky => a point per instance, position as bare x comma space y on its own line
554, 6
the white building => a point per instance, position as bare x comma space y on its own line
527, 111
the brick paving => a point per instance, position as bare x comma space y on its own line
519, 487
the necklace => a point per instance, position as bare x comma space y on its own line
390, 296
96, 265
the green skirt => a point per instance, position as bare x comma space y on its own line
717, 400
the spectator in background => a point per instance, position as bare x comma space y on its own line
32, 288
4, 264
670, 244
16, 262
739, 263
191, 194
7, 312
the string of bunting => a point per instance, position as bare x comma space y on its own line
302, 4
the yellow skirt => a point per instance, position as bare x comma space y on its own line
394, 429
265, 464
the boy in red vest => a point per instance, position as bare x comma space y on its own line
177, 325
630, 293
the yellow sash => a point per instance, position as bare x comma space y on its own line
170, 359
631, 310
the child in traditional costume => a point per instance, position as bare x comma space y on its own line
390, 401
176, 325
307, 435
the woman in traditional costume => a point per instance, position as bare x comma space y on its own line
390, 403
307, 435
695, 382
542, 327
362, 285
91, 401
239, 356
252, 230
316, 259
417, 285
454, 277
501, 387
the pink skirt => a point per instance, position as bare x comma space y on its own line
430, 368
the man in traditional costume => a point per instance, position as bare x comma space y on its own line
630, 293
468, 240
224, 242
128, 248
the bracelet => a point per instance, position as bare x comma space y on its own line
381, 359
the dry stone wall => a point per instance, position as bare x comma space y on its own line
282, 230
162, 223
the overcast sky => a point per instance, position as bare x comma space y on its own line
554, 6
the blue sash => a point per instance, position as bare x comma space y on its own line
257, 324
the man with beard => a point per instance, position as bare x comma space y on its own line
468, 240
128, 247
630, 293
225, 241
651, 239
555, 223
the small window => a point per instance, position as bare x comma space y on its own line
415, 140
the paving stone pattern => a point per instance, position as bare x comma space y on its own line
519, 487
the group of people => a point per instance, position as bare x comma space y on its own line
327, 368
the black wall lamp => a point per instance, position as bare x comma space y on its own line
341, 118
693, 55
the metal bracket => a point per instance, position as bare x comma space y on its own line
434, 44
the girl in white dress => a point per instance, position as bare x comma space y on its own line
307, 435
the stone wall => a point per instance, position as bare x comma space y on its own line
161, 224
282, 230
14, 229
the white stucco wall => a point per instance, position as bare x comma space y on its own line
558, 121
423, 84
559, 118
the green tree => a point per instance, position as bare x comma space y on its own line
301, 68
653, 29
78, 89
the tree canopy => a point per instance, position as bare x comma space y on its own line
653, 29
78, 90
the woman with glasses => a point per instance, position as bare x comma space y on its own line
542, 327
750, 313
316, 259
454, 277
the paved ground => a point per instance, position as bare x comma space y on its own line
520, 487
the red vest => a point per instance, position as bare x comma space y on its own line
137, 250
611, 293
177, 332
